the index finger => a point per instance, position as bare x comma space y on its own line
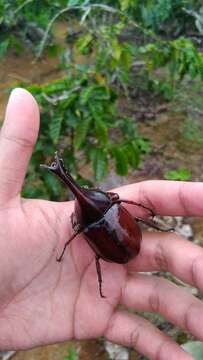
174, 198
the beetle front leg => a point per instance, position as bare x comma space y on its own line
67, 243
136, 204
153, 224
75, 225
98, 267
113, 196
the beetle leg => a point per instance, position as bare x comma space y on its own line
98, 267
153, 224
136, 204
67, 243
74, 223
113, 196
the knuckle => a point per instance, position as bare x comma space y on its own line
188, 318
154, 302
135, 336
22, 142
163, 349
195, 272
182, 198
160, 257
144, 196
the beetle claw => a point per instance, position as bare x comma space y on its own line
102, 296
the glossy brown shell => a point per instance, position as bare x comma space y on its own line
116, 237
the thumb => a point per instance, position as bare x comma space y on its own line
17, 139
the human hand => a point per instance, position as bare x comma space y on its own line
43, 302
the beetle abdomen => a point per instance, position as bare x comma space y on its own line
116, 236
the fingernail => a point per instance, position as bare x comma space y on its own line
16, 94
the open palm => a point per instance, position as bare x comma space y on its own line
43, 302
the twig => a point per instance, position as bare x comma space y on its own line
88, 8
22, 6
54, 100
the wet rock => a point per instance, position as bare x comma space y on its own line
183, 229
178, 223
116, 352
6, 355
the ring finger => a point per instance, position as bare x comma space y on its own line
161, 296
169, 252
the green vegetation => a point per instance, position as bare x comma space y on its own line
71, 354
122, 43
79, 115
180, 174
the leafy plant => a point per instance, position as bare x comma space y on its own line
79, 112
180, 174
71, 354
79, 116
178, 58
101, 42
167, 16
102, 27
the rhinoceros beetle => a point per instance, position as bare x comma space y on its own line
110, 230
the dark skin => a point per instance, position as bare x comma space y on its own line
43, 301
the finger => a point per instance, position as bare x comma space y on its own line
169, 252
166, 197
161, 296
17, 138
136, 332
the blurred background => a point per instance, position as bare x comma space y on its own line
120, 90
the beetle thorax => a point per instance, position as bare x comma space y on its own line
93, 208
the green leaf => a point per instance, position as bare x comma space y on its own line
180, 174
94, 93
193, 70
121, 160
201, 69
116, 49
84, 41
133, 154
143, 144
100, 163
71, 354
53, 185
81, 131
70, 101
195, 348
96, 109
4, 47
54, 50
86, 94
74, 3
124, 4
55, 128
101, 131
71, 119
